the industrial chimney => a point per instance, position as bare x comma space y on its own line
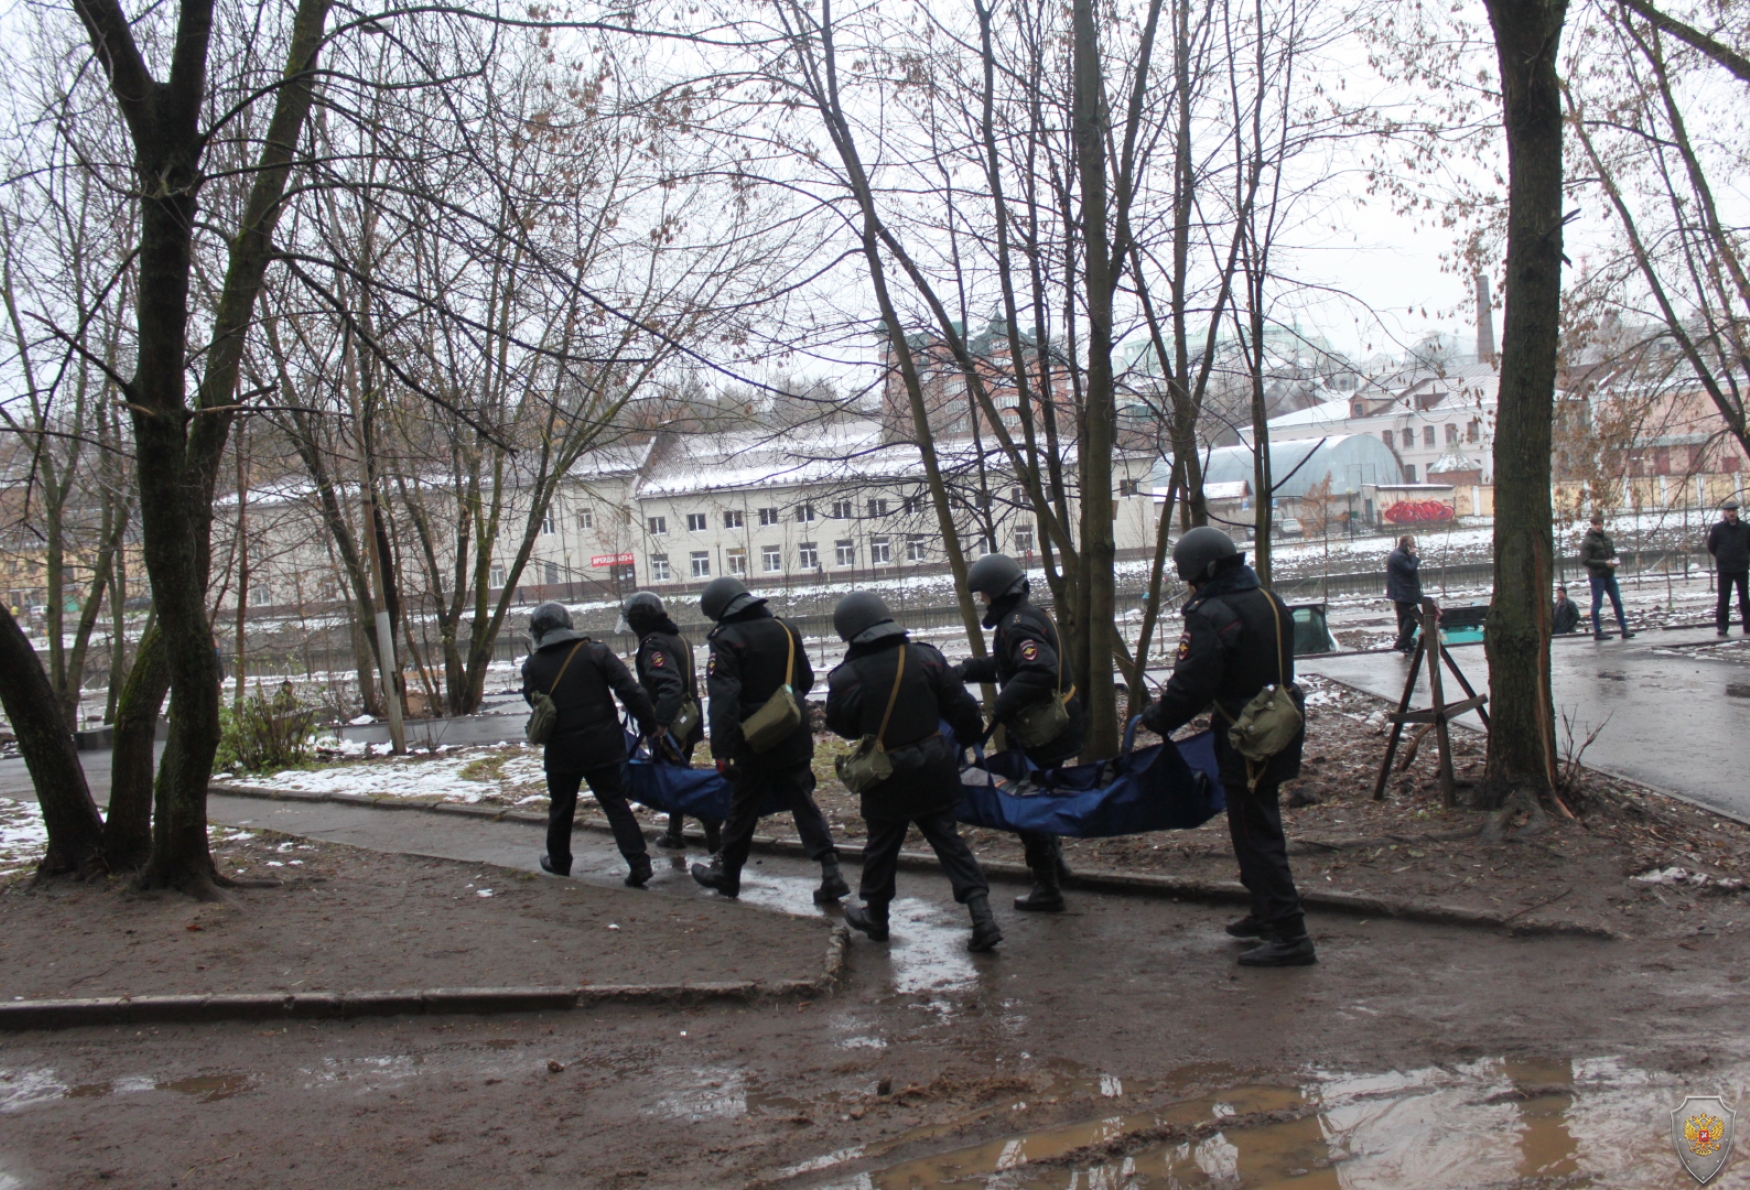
1485, 322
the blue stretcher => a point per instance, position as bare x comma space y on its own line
1167, 786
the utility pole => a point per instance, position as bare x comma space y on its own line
385, 632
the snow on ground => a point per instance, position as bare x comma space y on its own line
23, 836
496, 774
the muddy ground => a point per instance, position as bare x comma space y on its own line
343, 920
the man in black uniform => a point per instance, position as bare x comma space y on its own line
752, 651
1238, 639
1025, 660
869, 694
664, 665
582, 677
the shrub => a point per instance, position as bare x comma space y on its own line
269, 732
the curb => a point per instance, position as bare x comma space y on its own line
1123, 883
19, 1015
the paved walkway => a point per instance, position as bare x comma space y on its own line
1672, 716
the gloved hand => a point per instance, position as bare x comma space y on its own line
957, 671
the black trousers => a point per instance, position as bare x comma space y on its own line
795, 789
605, 784
1043, 853
1723, 613
1254, 822
1407, 622
942, 832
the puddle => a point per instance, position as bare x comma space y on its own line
208, 1088
22, 1088
1587, 1123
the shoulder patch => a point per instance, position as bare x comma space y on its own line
1184, 645
711, 665
657, 660
1029, 650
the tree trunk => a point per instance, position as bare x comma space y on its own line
127, 831
1521, 752
75, 830
1098, 608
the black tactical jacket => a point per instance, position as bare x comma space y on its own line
926, 778
1023, 661
746, 668
587, 734
664, 663
1227, 654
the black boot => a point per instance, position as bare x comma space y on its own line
870, 919
713, 837
1047, 895
1287, 945
1249, 926
552, 869
832, 884
638, 871
674, 838
985, 932
714, 876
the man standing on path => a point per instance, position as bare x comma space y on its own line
1037, 706
1239, 638
1729, 543
755, 657
664, 664
582, 677
1598, 553
896, 693
1403, 586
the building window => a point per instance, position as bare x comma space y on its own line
547, 521
841, 510
987, 542
768, 516
735, 561
808, 556
1409, 438
917, 548
552, 573
805, 514
1357, 409
771, 559
880, 552
659, 567
1386, 435
701, 564
732, 518
695, 522
585, 518
1129, 487
913, 505
498, 576
1024, 541
658, 526
1427, 435
1474, 431
1409, 473
846, 552
877, 508
1451, 434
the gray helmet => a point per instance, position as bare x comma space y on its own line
548, 619
724, 597
862, 617
1203, 553
642, 612
996, 575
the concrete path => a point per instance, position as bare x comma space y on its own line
1672, 716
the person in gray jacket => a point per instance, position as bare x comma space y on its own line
1729, 543
1598, 553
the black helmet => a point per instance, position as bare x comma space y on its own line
1203, 553
862, 617
996, 575
548, 619
643, 612
724, 597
